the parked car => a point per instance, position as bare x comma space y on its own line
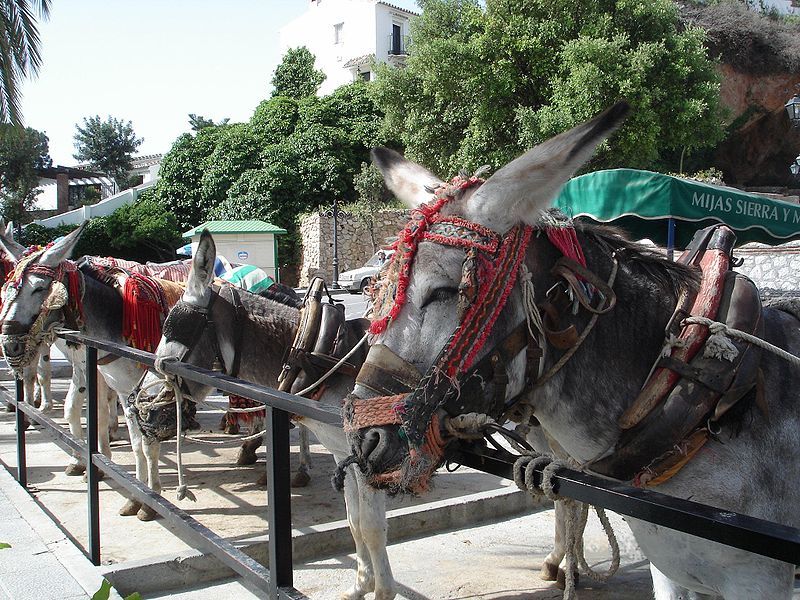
356, 280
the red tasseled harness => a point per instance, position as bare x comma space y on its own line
489, 273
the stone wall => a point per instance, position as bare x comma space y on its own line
774, 269
356, 240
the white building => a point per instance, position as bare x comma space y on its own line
348, 36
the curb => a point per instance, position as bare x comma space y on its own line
85, 574
319, 541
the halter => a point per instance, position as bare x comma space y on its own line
489, 271
67, 296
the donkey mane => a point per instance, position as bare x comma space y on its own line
649, 261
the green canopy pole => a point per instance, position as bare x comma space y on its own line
670, 237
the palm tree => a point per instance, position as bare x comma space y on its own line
19, 51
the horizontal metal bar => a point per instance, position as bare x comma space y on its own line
733, 529
187, 526
64, 439
290, 403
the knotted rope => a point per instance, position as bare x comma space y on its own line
720, 330
525, 469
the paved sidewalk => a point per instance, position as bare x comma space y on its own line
42, 563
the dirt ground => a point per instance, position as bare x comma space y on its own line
229, 501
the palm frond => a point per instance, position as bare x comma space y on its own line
20, 54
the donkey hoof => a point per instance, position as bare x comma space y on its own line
75, 469
10, 408
301, 478
130, 508
246, 457
262, 480
146, 514
100, 476
561, 581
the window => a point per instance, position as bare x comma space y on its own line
337, 33
365, 75
397, 39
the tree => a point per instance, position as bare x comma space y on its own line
483, 85
198, 122
107, 146
296, 76
19, 51
23, 151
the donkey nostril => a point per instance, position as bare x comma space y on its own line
371, 440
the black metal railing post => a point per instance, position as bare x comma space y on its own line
92, 472
22, 460
279, 504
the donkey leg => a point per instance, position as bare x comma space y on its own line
73, 406
43, 378
131, 507
373, 526
549, 570
302, 477
103, 416
152, 451
247, 453
365, 578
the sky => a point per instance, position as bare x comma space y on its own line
152, 62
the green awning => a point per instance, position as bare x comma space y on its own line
642, 202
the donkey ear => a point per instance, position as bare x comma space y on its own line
202, 273
528, 184
61, 250
12, 249
410, 182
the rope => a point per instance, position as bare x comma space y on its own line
720, 328
525, 469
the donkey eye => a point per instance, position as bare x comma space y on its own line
441, 294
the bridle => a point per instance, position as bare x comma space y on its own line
187, 322
65, 296
490, 270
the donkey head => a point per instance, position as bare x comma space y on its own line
458, 253
190, 332
34, 296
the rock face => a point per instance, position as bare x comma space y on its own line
358, 238
763, 143
759, 71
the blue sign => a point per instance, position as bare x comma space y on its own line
242, 255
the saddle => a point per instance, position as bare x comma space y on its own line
694, 383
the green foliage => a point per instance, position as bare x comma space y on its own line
4, 545
107, 146
179, 183
22, 152
483, 85
198, 122
293, 156
143, 231
296, 76
104, 593
19, 51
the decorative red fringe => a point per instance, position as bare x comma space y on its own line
143, 307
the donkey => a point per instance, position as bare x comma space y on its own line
455, 256
36, 380
265, 328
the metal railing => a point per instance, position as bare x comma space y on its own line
277, 578
733, 529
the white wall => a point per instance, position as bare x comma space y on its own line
314, 29
260, 249
385, 17
48, 199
